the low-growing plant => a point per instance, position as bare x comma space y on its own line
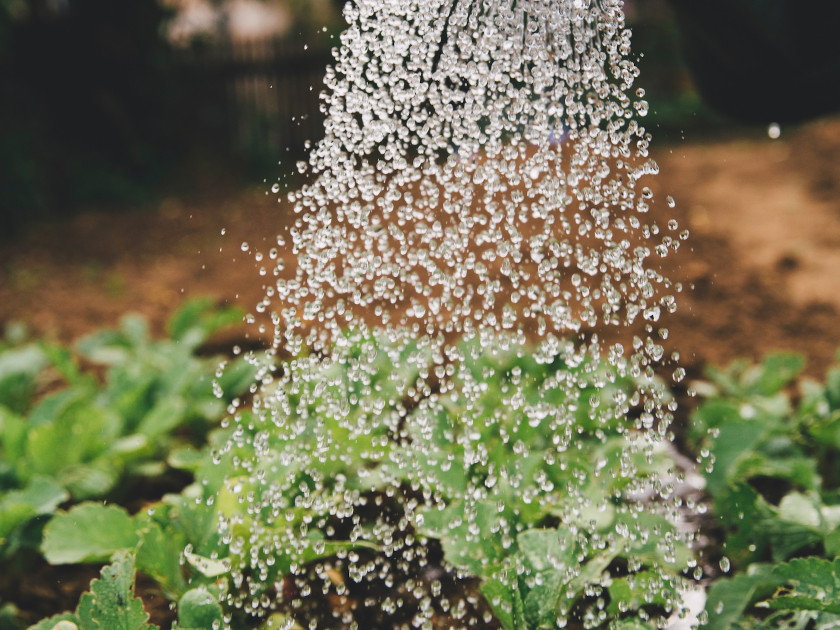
564, 538
771, 446
69, 433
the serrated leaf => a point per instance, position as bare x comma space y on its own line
815, 585
111, 604
89, 532
800, 603
728, 598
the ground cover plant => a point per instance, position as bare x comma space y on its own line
96, 423
767, 443
771, 444
206, 547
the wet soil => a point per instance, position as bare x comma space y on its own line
761, 270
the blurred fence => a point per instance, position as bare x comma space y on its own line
269, 90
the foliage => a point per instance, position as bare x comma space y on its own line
180, 544
773, 442
67, 435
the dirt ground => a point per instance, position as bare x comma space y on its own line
763, 257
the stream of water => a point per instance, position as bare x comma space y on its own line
476, 286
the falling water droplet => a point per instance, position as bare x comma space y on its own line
478, 211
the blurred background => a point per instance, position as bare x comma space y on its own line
113, 104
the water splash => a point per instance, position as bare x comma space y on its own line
476, 223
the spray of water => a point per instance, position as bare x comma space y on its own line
475, 228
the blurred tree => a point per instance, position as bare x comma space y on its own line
94, 107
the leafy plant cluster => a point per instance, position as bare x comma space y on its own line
772, 443
92, 424
536, 558
769, 441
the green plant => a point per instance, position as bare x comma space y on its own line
771, 445
68, 435
555, 538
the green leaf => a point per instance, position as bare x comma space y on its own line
197, 521
815, 585
735, 441
55, 622
199, 318
209, 567
111, 603
78, 433
135, 329
500, 597
236, 377
13, 436
105, 346
832, 543
159, 556
186, 458
802, 509
166, 415
540, 603
786, 537
728, 598
634, 591
777, 370
42, 496
800, 602
545, 549
64, 361
89, 532
199, 609
18, 368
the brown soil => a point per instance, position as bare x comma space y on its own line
761, 268
763, 257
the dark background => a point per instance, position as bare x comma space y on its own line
99, 109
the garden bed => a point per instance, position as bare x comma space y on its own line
766, 224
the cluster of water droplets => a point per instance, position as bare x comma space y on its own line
472, 247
